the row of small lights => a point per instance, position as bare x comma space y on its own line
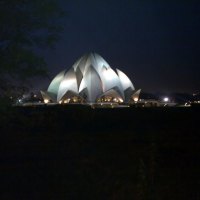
165, 99
68, 100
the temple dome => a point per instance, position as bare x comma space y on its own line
90, 79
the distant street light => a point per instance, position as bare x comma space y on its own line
165, 99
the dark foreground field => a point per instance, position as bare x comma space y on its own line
67, 153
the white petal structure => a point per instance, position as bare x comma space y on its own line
68, 82
127, 85
54, 85
90, 79
111, 80
92, 82
125, 81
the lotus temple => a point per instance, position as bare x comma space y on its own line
91, 80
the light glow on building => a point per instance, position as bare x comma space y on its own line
46, 101
91, 80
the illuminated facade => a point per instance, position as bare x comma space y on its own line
90, 80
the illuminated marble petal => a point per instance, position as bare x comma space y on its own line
69, 82
125, 81
110, 80
55, 83
93, 83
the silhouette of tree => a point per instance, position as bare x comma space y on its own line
26, 26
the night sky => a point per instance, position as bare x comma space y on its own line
156, 43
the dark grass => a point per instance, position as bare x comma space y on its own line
75, 152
